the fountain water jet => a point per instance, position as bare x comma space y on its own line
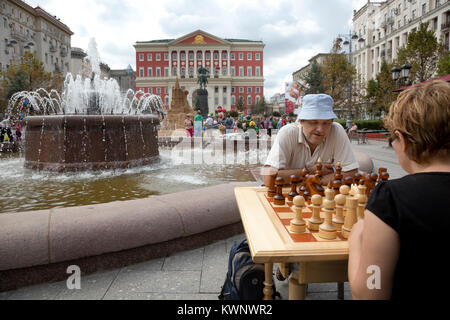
90, 125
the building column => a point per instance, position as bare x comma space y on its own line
220, 63
186, 63
221, 96
178, 64
195, 63
229, 64
170, 64
203, 58
212, 62
229, 96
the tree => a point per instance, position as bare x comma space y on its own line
27, 75
314, 79
422, 52
339, 73
444, 65
240, 103
380, 92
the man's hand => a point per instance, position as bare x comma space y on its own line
327, 168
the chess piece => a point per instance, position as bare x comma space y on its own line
350, 217
315, 221
384, 176
338, 219
345, 191
269, 174
279, 199
337, 179
362, 200
314, 185
348, 181
298, 225
370, 182
302, 189
319, 167
327, 230
357, 177
380, 173
294, 182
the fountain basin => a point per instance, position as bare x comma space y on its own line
90, 142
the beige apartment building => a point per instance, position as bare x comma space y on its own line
24, 28
302, 72
383, 27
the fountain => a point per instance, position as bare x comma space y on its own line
90, 126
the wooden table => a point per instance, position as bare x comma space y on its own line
270, 242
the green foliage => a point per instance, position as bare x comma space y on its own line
444, 66
234, 113
276, 114
422, 52
240, 103
364, 124
314, 79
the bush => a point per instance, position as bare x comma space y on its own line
234, 113
276, 114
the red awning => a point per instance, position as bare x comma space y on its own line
445, 78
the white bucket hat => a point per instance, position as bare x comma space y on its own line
317, 107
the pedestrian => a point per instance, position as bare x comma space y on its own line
189, 126
198, 124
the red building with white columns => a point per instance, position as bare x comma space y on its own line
235, 65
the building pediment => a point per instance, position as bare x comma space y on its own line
199, 37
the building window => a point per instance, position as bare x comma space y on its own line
224, 89
191, 71
216, 101
174, 71
224, 55
233, 71
166, 56
166, 100
249, 89
257, 56
233, 100
150, 90
258, 90
149, 57
249, 71
166, 90
232, 90
174, 56
241, 71
241, 56
233, 56
158, 90
258, 71
149, 72
158, 72
414, 13
249, 56
257, 99
424, 8
216, 56
199, 55
141, 57
158, 57
208, 56
141, 71
183, 56
191, 56
224, 101
216, 89
241, 90
249, 100
166, 71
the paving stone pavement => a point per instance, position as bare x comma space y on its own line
190, 275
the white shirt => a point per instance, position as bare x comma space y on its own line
291, 151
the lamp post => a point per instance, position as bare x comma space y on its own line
348, 41
400, 75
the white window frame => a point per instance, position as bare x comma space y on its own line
166, 100
241, 71
249, 56
233, 56
257, 90
249, 74
166, 56
141, 57
233, 71
150, 90
166, 71
257, 71
249, 99
241, 89
149, 57
158, 57
141, 72
257, 56
249, 89
158, 72
241, 56
233, 100
257, 99
158, 90
149, 72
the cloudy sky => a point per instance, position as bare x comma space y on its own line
292, 30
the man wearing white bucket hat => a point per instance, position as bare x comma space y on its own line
313, 136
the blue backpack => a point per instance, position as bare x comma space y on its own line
245, 279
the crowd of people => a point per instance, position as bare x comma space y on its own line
225, 123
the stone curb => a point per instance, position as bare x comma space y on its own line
49, 236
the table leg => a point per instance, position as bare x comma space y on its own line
297, 291
268, 284
340, 288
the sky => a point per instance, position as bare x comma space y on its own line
292, 31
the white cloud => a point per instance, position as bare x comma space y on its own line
292, 30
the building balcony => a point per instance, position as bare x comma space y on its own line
445, 26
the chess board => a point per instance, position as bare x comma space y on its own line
267, 229
285, 214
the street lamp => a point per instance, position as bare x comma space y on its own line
348, 41
400, 75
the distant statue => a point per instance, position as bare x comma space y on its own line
202, 77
